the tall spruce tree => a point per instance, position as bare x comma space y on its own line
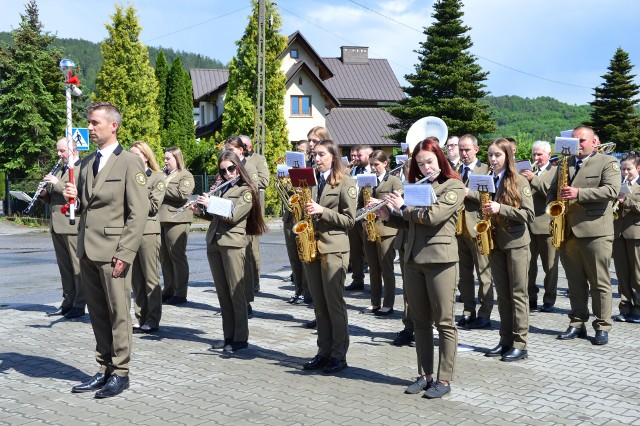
179, 130
162, 72
239, 110
447, 82
32, 101
127, 80
614, 116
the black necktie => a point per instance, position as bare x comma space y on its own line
64, 169
495, 182
578, 165
465, 174
321, 183
96, 163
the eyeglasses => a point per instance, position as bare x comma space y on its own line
452, 145
232, 168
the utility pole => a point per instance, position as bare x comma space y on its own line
259, 127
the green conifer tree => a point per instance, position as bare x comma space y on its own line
162, 72
180, 131
614, 116
32, 100
447, 82
127, 80
239, 113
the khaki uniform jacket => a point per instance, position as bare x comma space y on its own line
231, 232
628, 223
339, 204
472, 210
540, 189
55, 199
114, 208
591, 215
178, 189
510, 223
258, 169
387, 186
434, 240
156, 188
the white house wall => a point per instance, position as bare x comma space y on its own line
299, 126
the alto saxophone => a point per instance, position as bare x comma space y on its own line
305, 234
557, 209
370, 219
484, 228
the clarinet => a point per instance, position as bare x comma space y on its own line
41, 187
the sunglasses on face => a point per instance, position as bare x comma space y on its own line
230, 169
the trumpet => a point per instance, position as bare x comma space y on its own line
215, 192
605, 148
363, 212
41, 187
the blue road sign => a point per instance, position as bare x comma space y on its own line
81, 136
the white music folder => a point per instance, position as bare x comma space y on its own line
21, 196
220, 206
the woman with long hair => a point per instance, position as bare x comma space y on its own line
380, 252
431, 260
145, 276
175, 230
227, 239
334, 208
510, 211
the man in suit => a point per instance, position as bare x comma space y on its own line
540, 180
113, 199
356, 234
593, 185
65, 236
453, 154
262, 181
467, 249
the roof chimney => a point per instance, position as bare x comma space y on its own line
355, 55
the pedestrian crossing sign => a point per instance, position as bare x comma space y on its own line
81, 136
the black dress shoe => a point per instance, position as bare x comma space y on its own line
335, 365
59, 311
74, 313
166, 297
546, 307
381, 313
572, 333
403, 338
601, 338
465, 320
355, 285
316, 363
514, 354
236, 346
620, 318
145, 329
307, 300
498, 350
91, 385
176, 300
633, 318
311, 324
480, 323
533, 307
294, 299
114, 386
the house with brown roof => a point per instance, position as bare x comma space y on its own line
346, 94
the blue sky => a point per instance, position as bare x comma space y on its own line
522, 43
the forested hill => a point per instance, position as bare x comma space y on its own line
533, 119
88, 58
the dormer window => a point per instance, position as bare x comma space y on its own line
294, 53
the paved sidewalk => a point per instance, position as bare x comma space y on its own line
177, 379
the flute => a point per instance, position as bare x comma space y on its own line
214, 192
41, 187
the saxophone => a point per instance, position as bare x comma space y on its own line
484, 228
370, 219
305, 234
557, 209
283, 186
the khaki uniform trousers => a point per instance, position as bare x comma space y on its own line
431, 291
227, 269
406, 317
326, 277
549, 255
109, 303
299, 279
252, 267
586, 262
65, 247
470, 258
510, 270
356, 252
626, 257
145, 282
173, 258
380, 258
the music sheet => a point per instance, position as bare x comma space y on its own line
419, 195
220, 206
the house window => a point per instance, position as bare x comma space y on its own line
294, 53
301, 105
299, 81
